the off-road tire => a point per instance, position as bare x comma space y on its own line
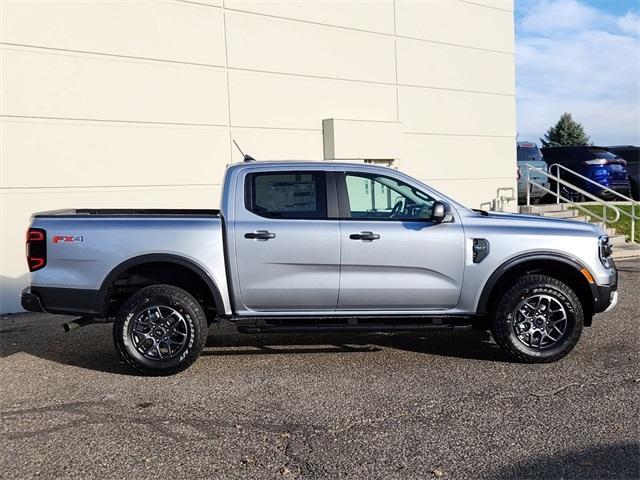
502, 316
162, 295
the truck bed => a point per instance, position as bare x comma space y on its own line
127, 212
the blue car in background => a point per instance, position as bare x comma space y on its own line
596, 163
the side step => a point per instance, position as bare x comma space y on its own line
406, 323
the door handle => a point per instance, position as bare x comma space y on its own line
260, 235
366, 236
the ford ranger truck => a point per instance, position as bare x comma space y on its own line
317, 247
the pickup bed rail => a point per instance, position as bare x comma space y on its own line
122, 212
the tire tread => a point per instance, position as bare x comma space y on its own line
502, 308
166, 291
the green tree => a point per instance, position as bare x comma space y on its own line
566, 132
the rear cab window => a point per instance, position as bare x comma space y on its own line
529, 152
600, 153
287, 195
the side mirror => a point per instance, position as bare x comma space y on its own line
440, 212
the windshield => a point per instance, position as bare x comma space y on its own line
529, 153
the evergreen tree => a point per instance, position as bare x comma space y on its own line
566, 132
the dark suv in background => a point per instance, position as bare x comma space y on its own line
528, 153
596, 163
632, 155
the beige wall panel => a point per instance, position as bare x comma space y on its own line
160, 30
286, 101
349, 139
448, 112
210, 3
88, 87
472, 192
275, 144
373, 15
501, 4
445, 66
110, 154
453, 157
275, 45
452, 21
18, 206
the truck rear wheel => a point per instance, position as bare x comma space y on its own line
538, 320
160, 330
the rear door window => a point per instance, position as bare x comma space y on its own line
530, 153
287, 195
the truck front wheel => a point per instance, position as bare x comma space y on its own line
538, 320
160, 330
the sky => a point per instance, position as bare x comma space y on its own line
581, 57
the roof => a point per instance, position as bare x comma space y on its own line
309, 163
560, 147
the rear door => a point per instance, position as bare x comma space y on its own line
393, 257
287, 251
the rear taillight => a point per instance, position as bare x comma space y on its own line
36, 249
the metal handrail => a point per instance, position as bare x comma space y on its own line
631, 215
617, 211
593, 182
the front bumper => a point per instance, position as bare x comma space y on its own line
535, 192
605, 298
30, 301
614, 302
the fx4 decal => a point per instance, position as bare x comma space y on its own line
68, 239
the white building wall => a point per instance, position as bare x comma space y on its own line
134, 103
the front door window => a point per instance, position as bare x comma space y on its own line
376, 197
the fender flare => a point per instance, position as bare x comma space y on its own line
527, 257
164, 258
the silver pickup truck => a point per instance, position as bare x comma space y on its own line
314, 247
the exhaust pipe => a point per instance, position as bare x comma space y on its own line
82, 322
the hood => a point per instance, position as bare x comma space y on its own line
534, 221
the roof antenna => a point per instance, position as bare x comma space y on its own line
246, 158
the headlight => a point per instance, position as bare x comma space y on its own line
605, 249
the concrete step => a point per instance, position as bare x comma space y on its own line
628, 250
618, 240
579, 218
608, 230
562, 213
538, 209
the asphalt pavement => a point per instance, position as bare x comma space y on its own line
437, 405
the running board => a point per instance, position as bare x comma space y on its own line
349, 324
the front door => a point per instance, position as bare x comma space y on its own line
392, 256
287, 251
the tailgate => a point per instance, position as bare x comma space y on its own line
534, 175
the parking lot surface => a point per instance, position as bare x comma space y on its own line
437, 405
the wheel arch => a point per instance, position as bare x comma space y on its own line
557, 265
132, 263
